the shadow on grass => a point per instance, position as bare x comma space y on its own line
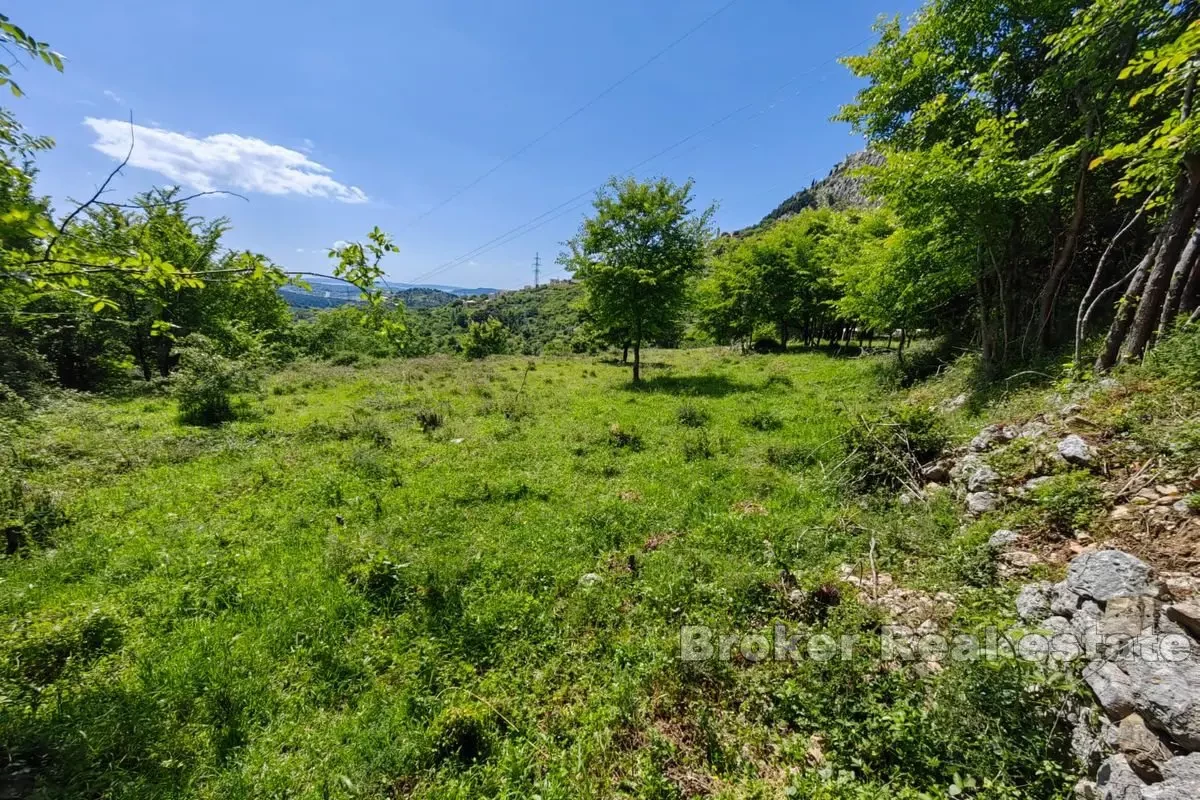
691, 385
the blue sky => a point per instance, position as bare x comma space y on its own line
333, 118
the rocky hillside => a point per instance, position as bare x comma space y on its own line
1088, 506
841, 188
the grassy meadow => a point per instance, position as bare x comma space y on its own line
439, 578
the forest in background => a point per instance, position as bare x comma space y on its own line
1031, 190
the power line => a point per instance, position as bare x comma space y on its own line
549, 216
609, 90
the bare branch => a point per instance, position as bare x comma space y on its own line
71, 217
136, 206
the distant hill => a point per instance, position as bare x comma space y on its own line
839, 189
536, 318
331, 293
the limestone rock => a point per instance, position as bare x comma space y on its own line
982, 479
1087, 790
938, 472
1063, 600
1117, 780
1164, 690
966, 466
1145, 751
1034, 483
982, 502
1105, 574
1129, 616
1002, 539
1186, 615
991, 435
1075, 450
1112, 688
1033, 603
1087, 745
1181, 780
1180, 585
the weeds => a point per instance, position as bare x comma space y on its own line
762, 419
691, 416
887, 451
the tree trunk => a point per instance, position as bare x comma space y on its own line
1178, 227
900, 348
1066, 254
1191, 290
783, 335
625, 354
1126, 307
637, 361
1184, 268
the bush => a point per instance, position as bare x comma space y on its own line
206, 382
766, 345
430, 419
696, 446
28, 518
1177, 357
922, 360
691, 416
484, 339
621, 438
763, 419
463, 734
1069, 501
887, 451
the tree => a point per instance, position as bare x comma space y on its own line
635, 257
774, 277
358, 263
484, 339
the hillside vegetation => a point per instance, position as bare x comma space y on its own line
432, 579
479, 549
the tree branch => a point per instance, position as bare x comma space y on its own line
62, 229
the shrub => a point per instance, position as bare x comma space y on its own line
430, 419
485, 338
696, 445
28, 518
1177, 356
463, 734
787, 456
206, 382
691, 416
766, 345
1069, 500
778, 380
922, 360
620, 437
763, 419
887, 451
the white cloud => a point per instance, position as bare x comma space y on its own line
340, 243
220, 161
116, 98
299, 249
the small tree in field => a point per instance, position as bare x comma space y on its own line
634, 257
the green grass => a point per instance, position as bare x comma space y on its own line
371, 587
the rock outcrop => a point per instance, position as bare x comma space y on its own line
1143, 668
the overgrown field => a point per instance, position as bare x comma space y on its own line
435, 578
